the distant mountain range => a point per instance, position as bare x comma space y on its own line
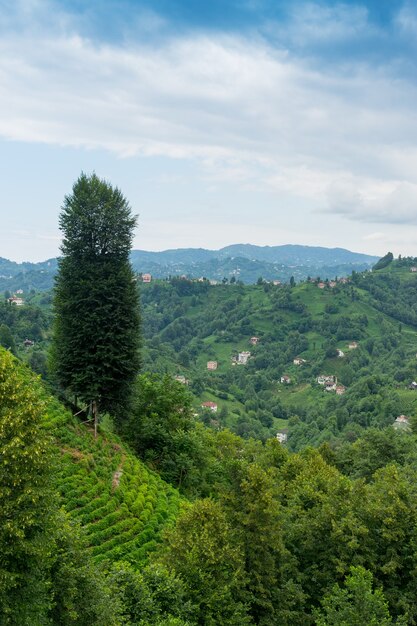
248, 262
245, 262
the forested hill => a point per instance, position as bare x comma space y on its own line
270, 534
188, 323
362, 332
244, 262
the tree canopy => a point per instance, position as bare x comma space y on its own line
96, 335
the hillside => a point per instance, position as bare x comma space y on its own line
278, 536
121, 505
187, 324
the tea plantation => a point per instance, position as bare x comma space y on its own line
121, 505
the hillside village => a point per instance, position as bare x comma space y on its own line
257, 355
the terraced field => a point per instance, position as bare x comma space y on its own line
122, 506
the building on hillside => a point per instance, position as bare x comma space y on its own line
146, 278
242, 357
353, 345
17, 301
330, 386
321, 285
343, 280
282, 435
340, 389
209, 405
276, 282
19, 292
402, 422
28, 343
213, 282
332, 284
326, 380
254, 341
181, 379
413, 385
340, 354
299, 361
286, 380
211, 365
413, 269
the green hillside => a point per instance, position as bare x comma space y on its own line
187, 324
121, 505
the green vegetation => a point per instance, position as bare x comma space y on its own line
187, 324
120, 504
168, 518
45, 575
96, 333
356, 604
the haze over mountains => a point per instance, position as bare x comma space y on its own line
245, 262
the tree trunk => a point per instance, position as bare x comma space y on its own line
95, 417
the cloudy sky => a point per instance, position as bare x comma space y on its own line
225, 121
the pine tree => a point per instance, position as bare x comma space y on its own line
96, 336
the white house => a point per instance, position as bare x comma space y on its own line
402, 422
282, 436
299, 361
242, 357
325, 380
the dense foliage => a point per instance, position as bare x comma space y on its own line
187, 324
96, 335
262, 533
45, 576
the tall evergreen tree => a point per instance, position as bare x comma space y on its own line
96, 337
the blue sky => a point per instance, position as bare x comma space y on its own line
260, 121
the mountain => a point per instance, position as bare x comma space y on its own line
297, 255
285, 255
245, 262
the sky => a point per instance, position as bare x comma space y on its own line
226, 121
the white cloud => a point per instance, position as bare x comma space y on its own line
311, 22
390, 203
406, 19
377, 236
252, 115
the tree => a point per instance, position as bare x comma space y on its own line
204, 552
160, 428
355, 605
6, 338
384, 261
96, 337
26, 501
